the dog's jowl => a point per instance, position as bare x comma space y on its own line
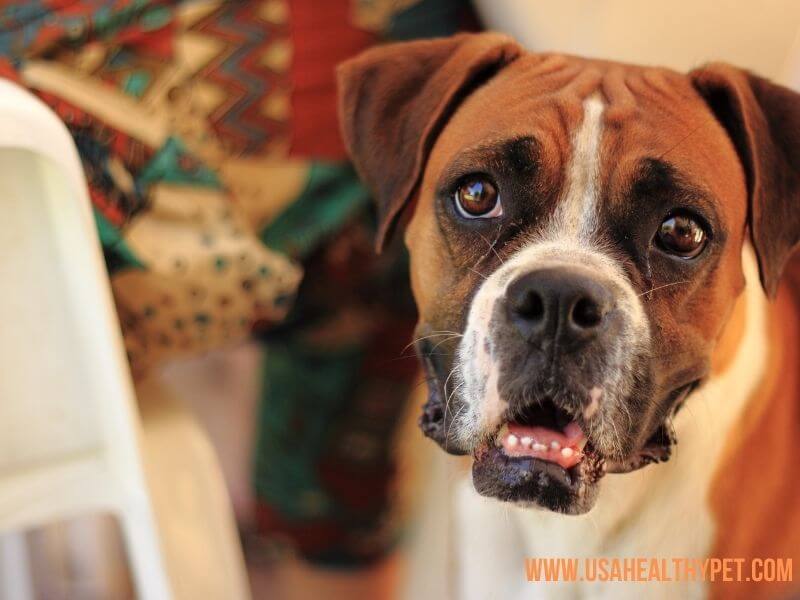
580, 234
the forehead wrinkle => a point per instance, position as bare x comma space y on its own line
587, 82
664, 92
668, 83
621, 101
562, 78
549, 63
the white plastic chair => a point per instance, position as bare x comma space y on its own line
71, 439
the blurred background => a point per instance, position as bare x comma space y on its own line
207, 389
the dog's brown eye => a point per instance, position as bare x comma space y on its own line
681, 235
477, 198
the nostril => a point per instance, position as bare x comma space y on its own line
530, 306
586, 313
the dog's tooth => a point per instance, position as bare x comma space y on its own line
539, 447
527, 441
582, 444
567, 452
512, 440
554, 445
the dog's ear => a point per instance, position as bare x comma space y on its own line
763, 120
395, 99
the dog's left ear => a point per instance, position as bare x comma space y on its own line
763, 120
395, 99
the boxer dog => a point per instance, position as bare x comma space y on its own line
580, 234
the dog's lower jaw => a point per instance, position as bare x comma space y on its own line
565, 478
528, 481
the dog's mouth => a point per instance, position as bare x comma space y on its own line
543, 455
545, 432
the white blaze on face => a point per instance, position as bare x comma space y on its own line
576, 214
568, 239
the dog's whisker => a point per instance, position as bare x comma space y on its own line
661, 287
446, 409
447, 380
430, 335
454, 419
413, 356
444, 341
421, 382
478, 273
491, 246
432, 352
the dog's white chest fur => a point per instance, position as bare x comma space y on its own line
661, 511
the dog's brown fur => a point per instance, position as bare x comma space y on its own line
756, 491
408, 111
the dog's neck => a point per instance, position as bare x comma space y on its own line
756, 489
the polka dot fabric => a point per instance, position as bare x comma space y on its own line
209, 281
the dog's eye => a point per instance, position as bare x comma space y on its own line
477, 198
680, 234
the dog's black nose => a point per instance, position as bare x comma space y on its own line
563, 305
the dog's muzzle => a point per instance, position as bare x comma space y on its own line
557, 324
539, 390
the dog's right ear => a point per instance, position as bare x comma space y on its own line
763, 122
395, 99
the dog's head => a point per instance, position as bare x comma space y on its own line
576, 231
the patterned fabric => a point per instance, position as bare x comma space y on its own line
169, 104
207, 131
336, 382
